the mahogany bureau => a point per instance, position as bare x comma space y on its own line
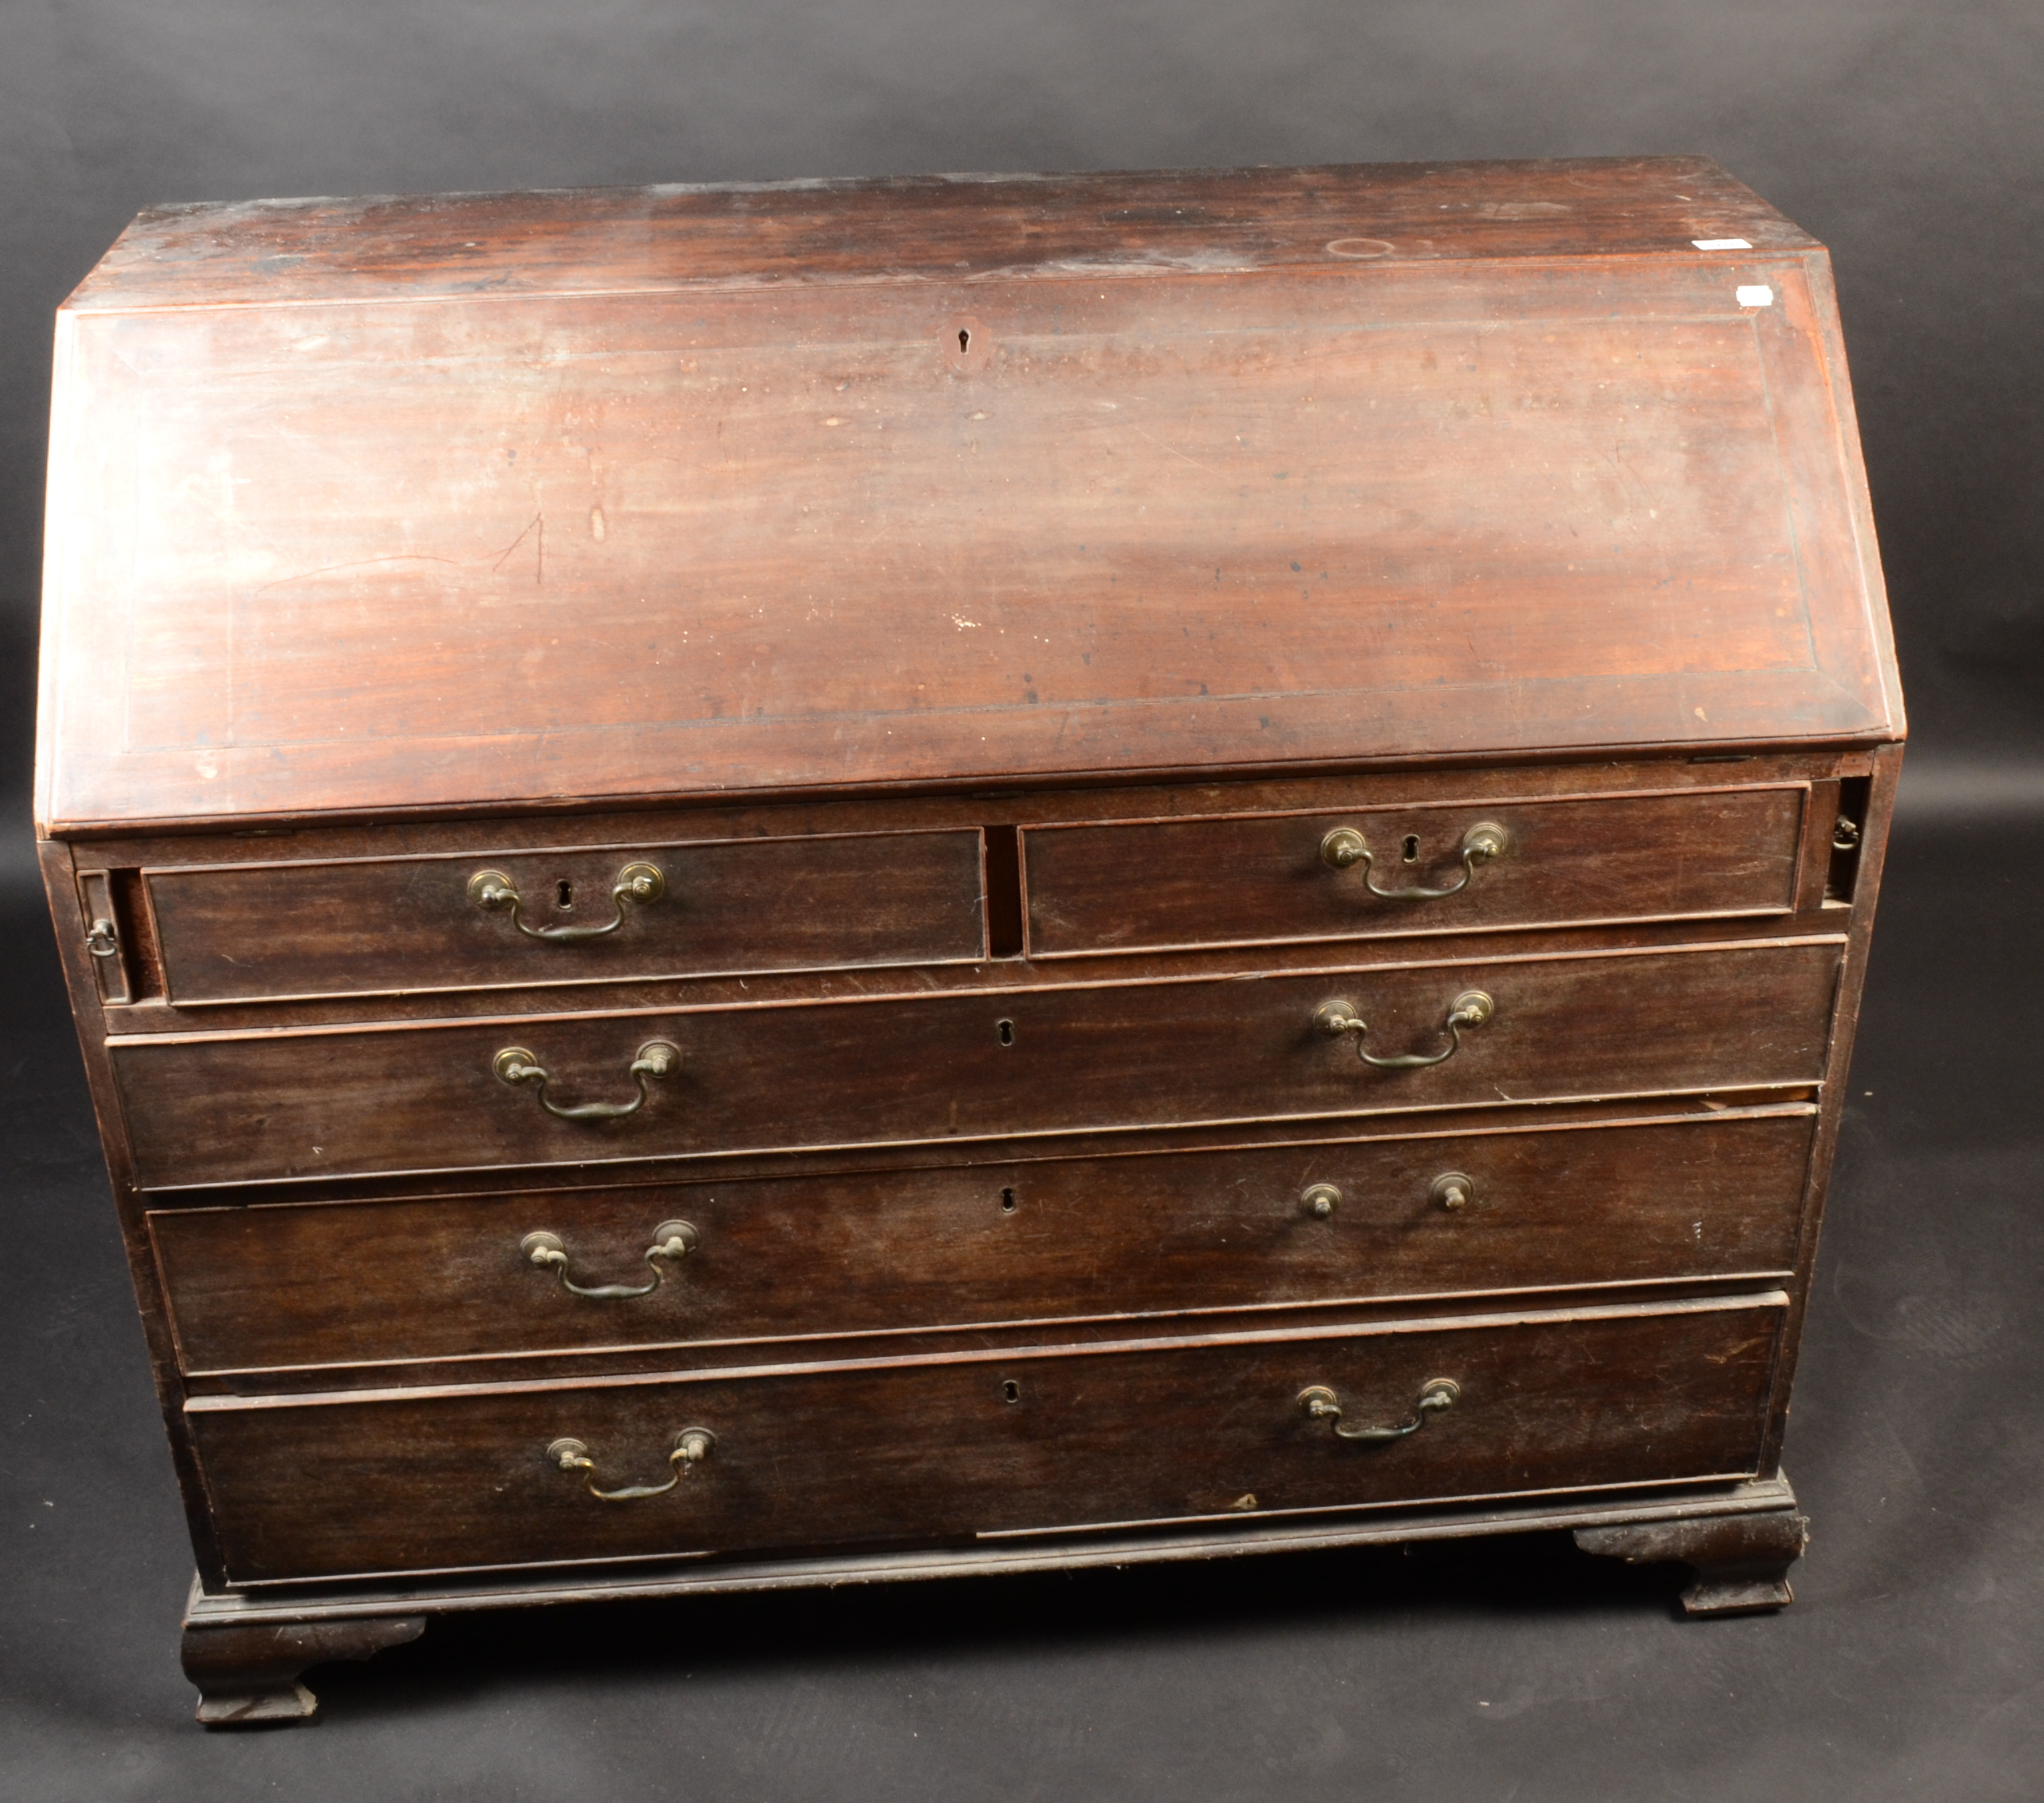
789, 884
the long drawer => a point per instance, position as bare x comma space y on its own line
1045, 1440
527, 915
1369, 873
245, 1108
1702, 1196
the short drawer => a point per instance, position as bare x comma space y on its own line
1268, 878
1697, 1197
1001, 1443
495, 919
247, 1107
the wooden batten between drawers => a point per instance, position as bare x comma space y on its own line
1149, 885
1706, 1198
386, 925
247, 1108
992, 1443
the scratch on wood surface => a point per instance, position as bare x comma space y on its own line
536, 525
1172, 451
357, 563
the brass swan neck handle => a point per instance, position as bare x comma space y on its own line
493, 892
1321, 1404
1470, 1009
692, 1446
672, 1240
657, 1058
1344, 848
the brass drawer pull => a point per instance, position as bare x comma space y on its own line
692, 1446
1471, 1008
1321, 1404
494, 892
1345, 847
1452, 1190
671, 1239
514, 1065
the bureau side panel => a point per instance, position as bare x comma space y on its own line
60, 884
1866, 871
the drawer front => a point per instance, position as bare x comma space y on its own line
247, 1107
1266, 878
1002, 1443
275, 1287
582, 915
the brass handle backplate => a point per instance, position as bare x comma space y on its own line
671, 1240
1470, 1009
1452, 1190
692, 1446
494, 892
1344, 848
514, 1065
1321, 1404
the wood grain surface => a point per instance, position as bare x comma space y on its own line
1019, 1441
368, 552
980, 596
876, 1252
405, 925
1113, 226
248, 1107
1136, 886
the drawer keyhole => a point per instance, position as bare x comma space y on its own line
564, 895
1007, 1201
1004, 1031
1412, 848
1010, 1391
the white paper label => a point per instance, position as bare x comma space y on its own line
1755, 296
1721, 243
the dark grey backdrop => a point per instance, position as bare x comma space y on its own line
1910, 136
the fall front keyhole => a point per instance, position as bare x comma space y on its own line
965, 341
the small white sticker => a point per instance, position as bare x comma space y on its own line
1721, 243
1755, 296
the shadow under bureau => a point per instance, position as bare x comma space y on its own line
772, 885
